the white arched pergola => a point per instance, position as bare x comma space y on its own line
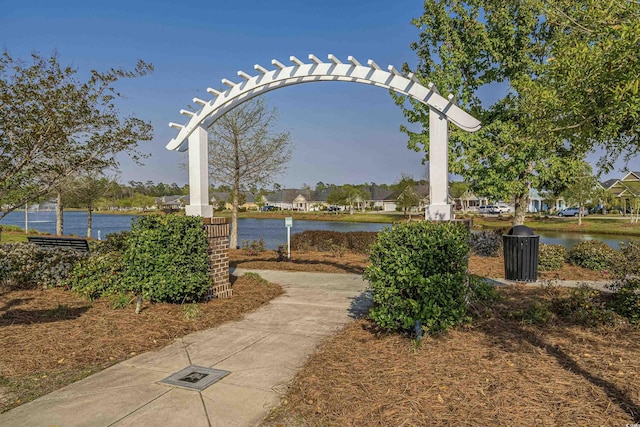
193, 135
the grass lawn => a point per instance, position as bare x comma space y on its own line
592, 224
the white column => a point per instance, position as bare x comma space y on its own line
438, 209
199, 175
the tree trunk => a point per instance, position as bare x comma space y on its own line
236, 195
521, 201
89, 221
59, 214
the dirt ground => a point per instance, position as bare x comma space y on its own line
497, 372
355, 263
50, 338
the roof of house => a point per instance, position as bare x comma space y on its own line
636, 175
608, 183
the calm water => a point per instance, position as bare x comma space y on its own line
75, 222
272, 231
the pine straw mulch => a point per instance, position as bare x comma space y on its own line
328, 262
50, 338
498, 371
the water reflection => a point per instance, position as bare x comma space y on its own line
568, 240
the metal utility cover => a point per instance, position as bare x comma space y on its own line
195, 377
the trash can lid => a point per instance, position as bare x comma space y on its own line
520, 230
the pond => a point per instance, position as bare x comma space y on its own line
273, 231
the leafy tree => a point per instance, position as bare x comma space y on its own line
549, 198
261, 199
348, 195
606, 198
532, 137
460, 190
53, 125
582, 189
86, 190
407, 196
589, 85
245, 152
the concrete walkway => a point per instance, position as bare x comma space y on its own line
263, 352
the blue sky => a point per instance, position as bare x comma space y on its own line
343, 132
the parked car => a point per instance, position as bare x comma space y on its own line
333, 208
267, 208
486, 209
501, 208
572, 212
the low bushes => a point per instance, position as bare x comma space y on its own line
418, 276
28, 266
331, 241
486, 243
626, 286
551, 257
254, 247
592, 254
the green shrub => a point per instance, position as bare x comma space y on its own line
166, 258
626, 286
584, 306
538, 313
486, 243
551, 257
592, 254
481, 290
114, 242
99, 275
418, 274
28, 266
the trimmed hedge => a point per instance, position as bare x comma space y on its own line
551, 257
418, 273
327, 241
593, 254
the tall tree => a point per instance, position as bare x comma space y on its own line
530, 136
245, 151
582, 189
54, 125
85, 191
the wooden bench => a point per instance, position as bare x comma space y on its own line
60, 242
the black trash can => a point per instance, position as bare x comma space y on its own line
520, 254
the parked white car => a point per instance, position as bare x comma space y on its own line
501, 208
486, 209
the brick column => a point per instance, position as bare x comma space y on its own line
218, 231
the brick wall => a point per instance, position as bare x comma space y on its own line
218, 230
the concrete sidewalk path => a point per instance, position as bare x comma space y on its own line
263, 352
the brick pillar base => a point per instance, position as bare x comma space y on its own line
218, 231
